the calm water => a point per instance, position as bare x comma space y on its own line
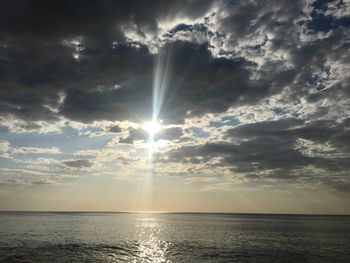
127, 237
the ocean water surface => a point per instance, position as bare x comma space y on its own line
137, 237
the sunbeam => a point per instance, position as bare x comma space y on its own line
160, 82
160, 85
154, 126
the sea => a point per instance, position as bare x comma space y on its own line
172, 237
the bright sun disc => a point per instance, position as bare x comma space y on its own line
152, 127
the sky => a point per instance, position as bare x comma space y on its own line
197, 105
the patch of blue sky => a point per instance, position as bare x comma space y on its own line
284, 111
228, 120
325, 23
91, 129
69, 141
199, 133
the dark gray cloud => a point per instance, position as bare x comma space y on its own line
94, 19
39, 41
114, 129
97, 60
283, 149
198, 84
81, 163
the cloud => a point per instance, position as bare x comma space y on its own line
48, 67
287, 149
4, 149
8, 151
242, 87
31, 177
35, 150
115, 129
81, 163
221, 54
166, 133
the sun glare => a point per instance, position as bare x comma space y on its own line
152, 127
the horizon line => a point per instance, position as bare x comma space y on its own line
168, 212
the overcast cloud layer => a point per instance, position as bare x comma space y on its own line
256, 93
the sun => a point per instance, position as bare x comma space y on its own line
152, 127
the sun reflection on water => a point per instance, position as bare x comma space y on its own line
148, 244
151, 248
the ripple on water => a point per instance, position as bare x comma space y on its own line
172, 238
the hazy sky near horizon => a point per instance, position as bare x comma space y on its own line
197, 105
